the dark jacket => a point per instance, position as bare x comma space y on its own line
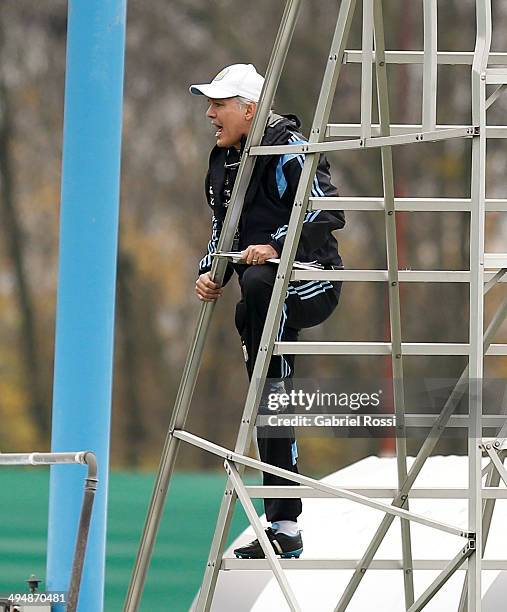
270, 197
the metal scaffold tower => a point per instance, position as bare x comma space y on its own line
485, 271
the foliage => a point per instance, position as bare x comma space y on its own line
165, 223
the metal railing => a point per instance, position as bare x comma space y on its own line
90, 487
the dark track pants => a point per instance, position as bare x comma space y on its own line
306, 304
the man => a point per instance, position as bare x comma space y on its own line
233, 95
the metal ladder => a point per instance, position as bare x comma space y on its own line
357, 137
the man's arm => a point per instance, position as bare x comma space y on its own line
206, 261
318, 224
205, 288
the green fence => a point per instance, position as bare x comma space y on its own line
180, 553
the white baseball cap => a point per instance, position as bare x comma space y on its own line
236, 80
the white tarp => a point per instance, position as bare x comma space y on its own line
343, 529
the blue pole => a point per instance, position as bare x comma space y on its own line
86, 284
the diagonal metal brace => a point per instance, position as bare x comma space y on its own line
444, 576
495, 459
317, 484
273, 561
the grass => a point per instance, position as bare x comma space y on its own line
182, 544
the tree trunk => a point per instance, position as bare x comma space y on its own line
133, 427
15, 248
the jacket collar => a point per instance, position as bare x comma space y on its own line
277, 127
275, 133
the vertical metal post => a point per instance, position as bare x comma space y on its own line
83, 531
478, 196
429, 102
394, 293
367, 69
492, 480
86, 284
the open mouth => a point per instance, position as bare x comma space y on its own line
219, 131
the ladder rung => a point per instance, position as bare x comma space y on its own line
350, 564
496, 76
452, 58
365, 143
493, 261
368, 348
405, 204
497, 349
458, 421
400, 204
328, 203
265, 492
351, 130
404, 276
379, 348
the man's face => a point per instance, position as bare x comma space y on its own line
231, 119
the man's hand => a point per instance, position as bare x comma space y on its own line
206, 289
257, 254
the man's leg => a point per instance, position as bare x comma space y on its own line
311, 303
306, 305
256, 288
